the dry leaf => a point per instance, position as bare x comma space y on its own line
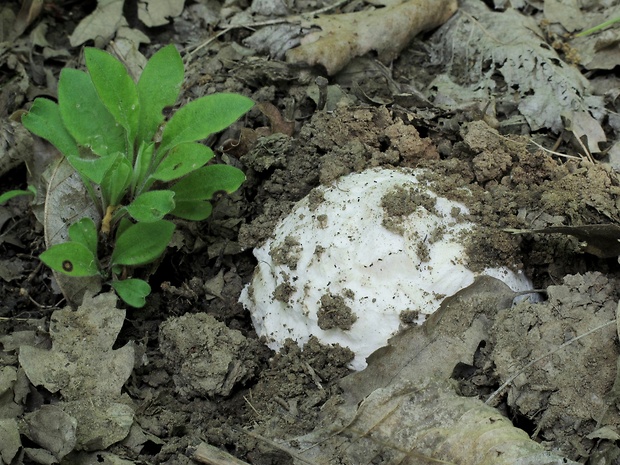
66, 202
598, 50
421, 422
158, 12
29, 11
403, 409
385, 30
278, 124
82, 362
100, 24
601, 240
583, 124
510, 46
89, 374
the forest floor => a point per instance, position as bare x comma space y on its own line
199, 374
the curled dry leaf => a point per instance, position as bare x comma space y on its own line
29, 11
66, 202
277, 121
248, 137
385, 30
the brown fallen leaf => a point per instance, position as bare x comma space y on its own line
29, 11
277, 121
249, 137
385, 30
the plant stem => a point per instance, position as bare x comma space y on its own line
597, 28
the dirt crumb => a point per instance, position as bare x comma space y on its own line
335, 313
205, 357
567, 392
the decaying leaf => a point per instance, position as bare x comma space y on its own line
81, 362
583, 124
564, 12
598, 50
422, 422
29, 11
478, 45
52, 429
556, 360
66, 203
101, 24
277, 121
158, 12
104, 23
87, 372
385, 30
11, 443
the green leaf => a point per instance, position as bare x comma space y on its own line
71, 258
142, 165
116, 181
115, 88
15, 193
151, 206
193, 210
85, 116
205, 116
85, 232
181, 160
132, 291
45, 121
158, 87
124, 224
202, 184
142, 243
93, 168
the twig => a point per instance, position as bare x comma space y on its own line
563, 155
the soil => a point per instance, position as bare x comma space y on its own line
202, 375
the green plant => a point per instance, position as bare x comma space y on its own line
598, 27
31, 191
136, 167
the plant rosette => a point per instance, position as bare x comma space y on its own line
136, 167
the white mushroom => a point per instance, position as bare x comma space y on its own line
346, 267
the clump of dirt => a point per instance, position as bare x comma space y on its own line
503, 181
335, 313
571, 392
205, 357
330, 145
